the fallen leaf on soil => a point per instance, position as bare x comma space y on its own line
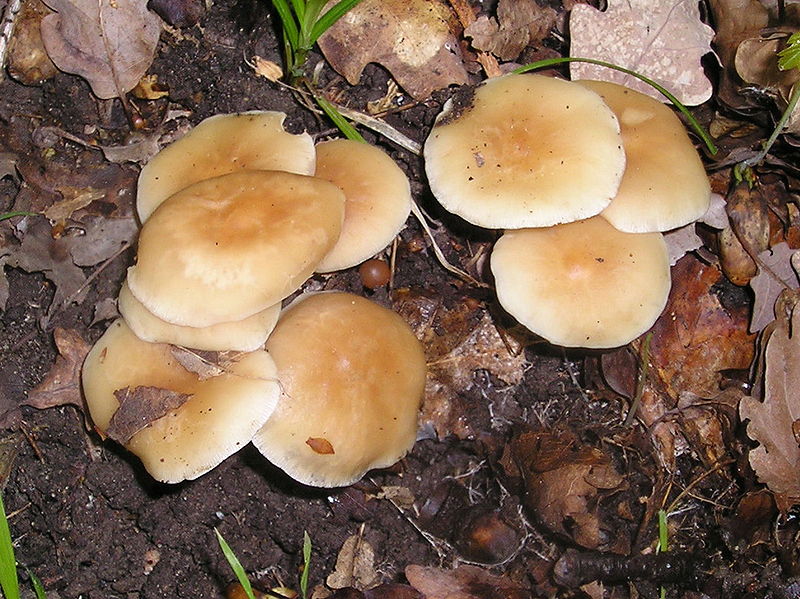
62, 385
110, 44
402, 497
28, 62
662, 39
519, 23
775, 422
355, 566
105, 309
413, 39
138, 407
774, 275
464, 582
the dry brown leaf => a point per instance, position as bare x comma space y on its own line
28, 62
773, 422
355, 566
413, 39
62, 385
205, 364
775, 273
464, 582
109, 43
138, 407
519, 23
662, 39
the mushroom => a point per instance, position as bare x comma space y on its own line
582, 284
665, 184
377, 200
219, 145
181, 423
228, 247
525, 151
247, 334
352, 375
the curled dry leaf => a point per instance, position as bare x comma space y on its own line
775, 422
662, 39
775, 273
518, 24
413, 39
110, 44
28, 62
138, 407
62, 384
355, 566
464, 582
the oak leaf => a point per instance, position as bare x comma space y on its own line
62, 384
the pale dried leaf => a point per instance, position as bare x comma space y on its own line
105, 309
62, 385
681, 241
138, 407
109, 43
28, 62
772, 421
402, 497
775, 273
662, 39
205, 364
102, 238
464, 582
355, 566
61, 211
519, 23
413, 39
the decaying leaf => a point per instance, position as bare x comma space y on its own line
662, 39
775, 273
28, 62
464, 582
774, 422
138, 407
62, 385
355, 566
110, 44
413, 39
518, 24
205, 364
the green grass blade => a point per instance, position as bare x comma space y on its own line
330, 17
287, 22
698, 128
38, 587
8, 564
306, 565
7, 215
235, 565
342, 123
663, 532
299, 9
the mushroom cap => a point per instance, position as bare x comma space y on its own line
352, 376
525, 151
221, 414
582, 284
219, 145
665, 184
247, 334
228, 247
377, 199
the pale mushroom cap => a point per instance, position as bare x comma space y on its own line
228, 247
583, 284
247, 334
525, 151
665, 184
221, 415
352, 376
377, 200
219, 145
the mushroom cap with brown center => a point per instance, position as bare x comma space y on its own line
228, 247
665, 184
219, 145
377, 199
247, 334
352, 376
582, 284
525, 151
218, 416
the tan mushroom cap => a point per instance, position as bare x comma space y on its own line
247, 334
525, 151
221, 415
377, 199
352, 376
228, 247
665, 184
583, 284
219, 145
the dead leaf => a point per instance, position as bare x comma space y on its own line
62, 385
402, 497
772, 421
519, 23
138, 407
28, 62
107, 42
662, 39
149, 88
205, 364
775, 274
413, 39
682, 241
104, 310
355, 566
464, 582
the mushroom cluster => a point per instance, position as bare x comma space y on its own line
236, 216
584, 177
